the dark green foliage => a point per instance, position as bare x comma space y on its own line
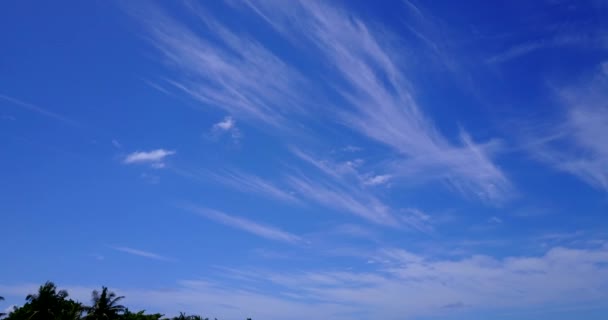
52, 304
47, 304
183, 316
2, 314
105, 306
128, 315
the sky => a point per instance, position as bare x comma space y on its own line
308, 159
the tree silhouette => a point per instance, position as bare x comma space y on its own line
183, 316
128, 315
49, 303
2, 314
105, 306
72, 310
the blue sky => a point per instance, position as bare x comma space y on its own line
302, 159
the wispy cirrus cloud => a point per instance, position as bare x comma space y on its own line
375, 97
255, 184
39, 110
116, 144
142, 253
561, 277
343, 199
525, 48
342, 192
243, 182
538, 38
354, 231
475, 282
155, 158
340, 189
554, 40
260, 230
379, 100
345, 188
240, 76
573, 144
333, 169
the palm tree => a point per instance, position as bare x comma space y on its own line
48, 303
182, 316
105, 305
72, 310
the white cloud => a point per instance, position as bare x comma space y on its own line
245, 78
227, 125
575, 144
241, 76
249, 226
377, 180
155, 158
381, 99
399, 285
141, 253
479, 282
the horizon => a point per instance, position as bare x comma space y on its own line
308, 159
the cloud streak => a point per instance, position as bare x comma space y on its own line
243, 182
553, 42
260, 230
240, 76
141, 253
39, 110
379, 100
556, 279
374, 96
573, 145
346, 200
345, 189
